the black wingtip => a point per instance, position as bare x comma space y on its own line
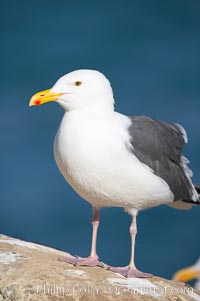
197, 203
192, 202
197, 189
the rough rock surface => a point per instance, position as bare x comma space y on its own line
30, 272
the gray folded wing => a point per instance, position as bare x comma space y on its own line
159, 145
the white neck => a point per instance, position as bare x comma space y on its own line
101, 105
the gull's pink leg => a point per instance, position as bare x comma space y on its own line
95, 226
131, 270
92, 260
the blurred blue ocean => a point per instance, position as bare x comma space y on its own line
150, 50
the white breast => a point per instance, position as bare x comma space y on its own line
91, 153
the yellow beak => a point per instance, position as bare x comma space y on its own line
43, 97
185, 275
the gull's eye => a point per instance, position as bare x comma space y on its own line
78, 83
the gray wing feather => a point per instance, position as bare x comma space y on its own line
159, 145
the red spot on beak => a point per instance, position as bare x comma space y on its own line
37, 102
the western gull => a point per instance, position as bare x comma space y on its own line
189, 273
111, 159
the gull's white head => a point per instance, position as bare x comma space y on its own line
78, 90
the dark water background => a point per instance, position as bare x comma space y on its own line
150, 50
